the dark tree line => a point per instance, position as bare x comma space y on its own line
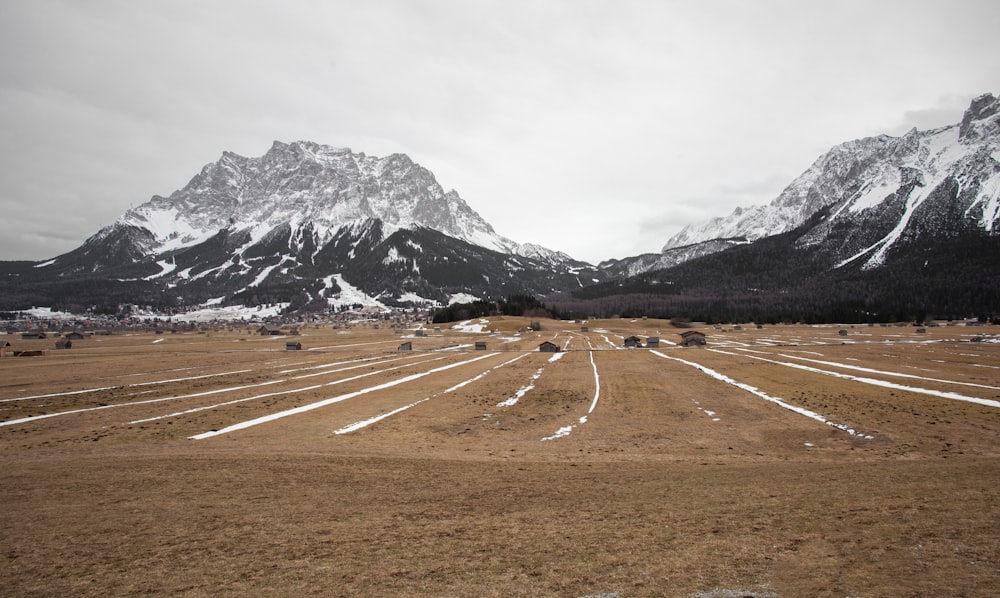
512, 305
772, 281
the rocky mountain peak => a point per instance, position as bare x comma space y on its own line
980, 118
883, 190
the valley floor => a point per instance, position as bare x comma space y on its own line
782, 461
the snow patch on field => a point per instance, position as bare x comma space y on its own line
469, 326
566, 430
885, 372
510, 402
754, 390
100, 407
330, 401
46, 313
876, 382
231, 313
367, 422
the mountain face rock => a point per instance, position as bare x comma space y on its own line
288, 225
304, 183
881, 192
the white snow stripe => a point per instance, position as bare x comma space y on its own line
275, 394
367, 422
364, 423
565, 430
325, 365
145, 402
330, 401
876, 382
754, 390
597, 384
885, 372
353, 367
76, 392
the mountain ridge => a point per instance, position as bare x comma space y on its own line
289, 225
862, 175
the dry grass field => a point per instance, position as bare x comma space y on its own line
782, 461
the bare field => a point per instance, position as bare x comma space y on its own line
782, 461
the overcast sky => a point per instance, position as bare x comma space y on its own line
595, 128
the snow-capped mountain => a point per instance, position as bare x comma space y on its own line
300, 218
882, 190
306, 184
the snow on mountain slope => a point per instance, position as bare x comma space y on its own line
862, 182
306, 223
303, 182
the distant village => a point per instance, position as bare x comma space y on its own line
42, 324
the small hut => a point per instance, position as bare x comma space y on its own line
74, 336
842, 332
480, 345
584, 329
293, 346
633, 341
692, 338
64, 344
548, 347
653, 341
407, 346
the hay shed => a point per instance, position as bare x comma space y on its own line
633, 341
693, 338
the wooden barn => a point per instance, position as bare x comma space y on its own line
293, 346
633, 341
407, 346
548, 347
74, 336
692, 338
653, 341
266, 330
480, 345
64, 343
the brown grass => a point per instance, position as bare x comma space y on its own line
678, 484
